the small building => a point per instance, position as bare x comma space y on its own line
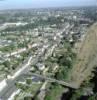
40, 66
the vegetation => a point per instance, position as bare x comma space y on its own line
86, 58
8, 48
93, 97
65, 61
28, 90
54, 92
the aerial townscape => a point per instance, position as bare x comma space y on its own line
48, 53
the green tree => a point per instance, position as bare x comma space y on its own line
93, 97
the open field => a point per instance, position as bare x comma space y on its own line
86, 58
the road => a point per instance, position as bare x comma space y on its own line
20, 51
10, 87
8, 90
13, 94
70, 85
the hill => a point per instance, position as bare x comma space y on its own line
86, 57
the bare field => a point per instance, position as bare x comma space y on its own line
86, 58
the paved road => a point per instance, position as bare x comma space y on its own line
6, 92
20, 50
10, 87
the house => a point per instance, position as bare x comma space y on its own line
40, 66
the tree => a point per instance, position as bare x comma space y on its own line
6, 68
27, 98
93, 97
28, 81
77, 94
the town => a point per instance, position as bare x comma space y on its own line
38, 48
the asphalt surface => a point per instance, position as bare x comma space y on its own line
10, 88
